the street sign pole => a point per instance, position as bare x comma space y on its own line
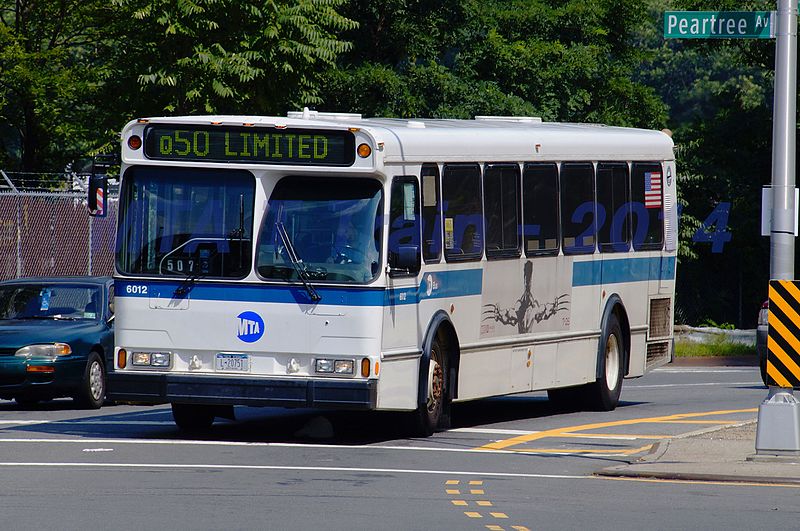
779, 415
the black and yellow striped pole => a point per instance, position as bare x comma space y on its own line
783, 339
778, 432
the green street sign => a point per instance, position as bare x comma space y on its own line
718, 25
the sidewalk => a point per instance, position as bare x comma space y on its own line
726, 454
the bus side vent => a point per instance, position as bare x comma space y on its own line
670, 236
657, 354
660, 319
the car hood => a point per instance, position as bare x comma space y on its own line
18, 333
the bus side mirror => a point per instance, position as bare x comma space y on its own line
405, 261
98, 191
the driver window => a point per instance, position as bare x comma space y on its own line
404, 222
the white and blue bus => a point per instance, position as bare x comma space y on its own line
330, 261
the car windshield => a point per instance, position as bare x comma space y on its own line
332, 227
50, 301
186, 222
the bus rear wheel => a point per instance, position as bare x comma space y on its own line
193, 418
603, 394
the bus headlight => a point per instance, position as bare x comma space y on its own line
343, 367
328, 366
325, 366
151, 359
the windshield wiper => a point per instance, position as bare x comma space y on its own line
190, 278
299, 266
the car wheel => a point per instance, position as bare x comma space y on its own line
93, 388
193, 418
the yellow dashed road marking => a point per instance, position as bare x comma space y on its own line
474, 482
520, 528
471, 514
476, 491
452, 491
451, 482
484, 503
460, 503
499, 515
494, 527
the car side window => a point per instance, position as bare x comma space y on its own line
111, 300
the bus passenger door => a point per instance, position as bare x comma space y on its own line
400, 329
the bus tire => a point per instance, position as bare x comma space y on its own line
430, 416
92, 391
193, 418
603, 394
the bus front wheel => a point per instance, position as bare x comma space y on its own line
193, 418
430, 415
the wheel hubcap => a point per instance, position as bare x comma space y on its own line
435, 385
96, 380
612, 362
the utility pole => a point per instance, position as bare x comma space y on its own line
779, 415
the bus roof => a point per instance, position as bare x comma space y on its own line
486, 138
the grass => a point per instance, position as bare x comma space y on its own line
719, 347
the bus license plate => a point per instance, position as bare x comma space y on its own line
233, 362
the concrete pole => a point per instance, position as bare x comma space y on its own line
784, 124
778, 432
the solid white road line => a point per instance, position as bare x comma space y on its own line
532, 451
200, 466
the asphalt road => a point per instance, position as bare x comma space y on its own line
511, 463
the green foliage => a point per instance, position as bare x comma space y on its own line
461, 58
51, 68
215, 56
720, 346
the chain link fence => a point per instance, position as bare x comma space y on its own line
46, 230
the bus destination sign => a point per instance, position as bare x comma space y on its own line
249, 145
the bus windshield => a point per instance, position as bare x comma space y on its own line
333, 226
186, 222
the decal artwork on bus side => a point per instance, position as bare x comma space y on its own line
526, 311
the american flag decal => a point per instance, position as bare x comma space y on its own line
652, 189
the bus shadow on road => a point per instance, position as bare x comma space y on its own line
275, 425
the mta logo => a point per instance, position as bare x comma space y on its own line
251, 327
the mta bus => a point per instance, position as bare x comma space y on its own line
326, 260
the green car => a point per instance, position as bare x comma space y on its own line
56, 337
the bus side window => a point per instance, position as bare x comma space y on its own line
578, 222
501, 209
431, 214
540, 200
613, 207
647, 205
404, 226
463, 219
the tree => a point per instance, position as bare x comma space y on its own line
719, 94
217, 56
459, 58
51, 65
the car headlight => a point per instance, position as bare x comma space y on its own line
50, 350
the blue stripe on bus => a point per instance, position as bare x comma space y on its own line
443, 284
615, 271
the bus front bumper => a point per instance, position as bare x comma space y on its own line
279, 392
